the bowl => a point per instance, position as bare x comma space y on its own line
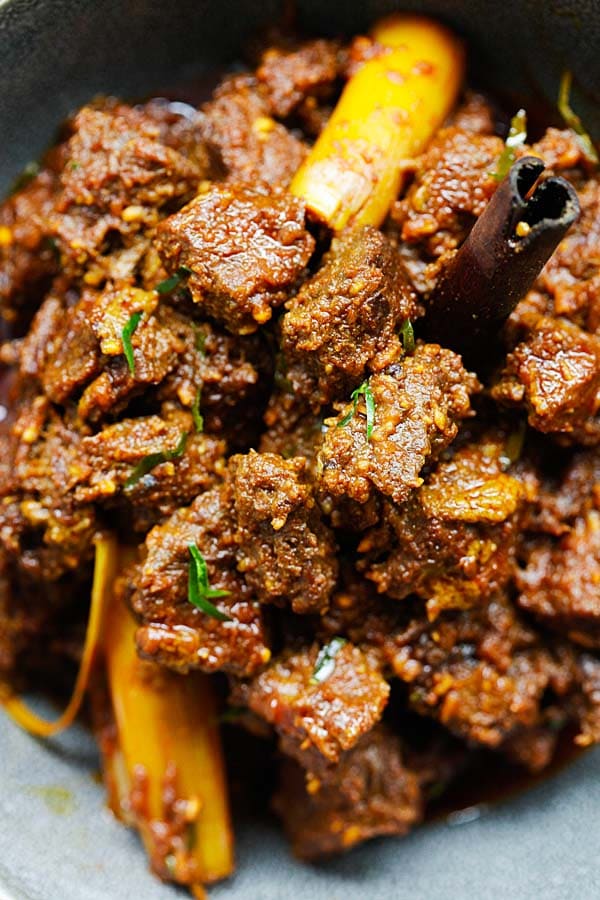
57, 842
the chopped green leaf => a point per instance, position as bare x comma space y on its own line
126, 334
152, 460
199, 591
572, 120
363, 391
169, 284
200, 341
31, 171
325, 662
196, 414
408, 336
517, 136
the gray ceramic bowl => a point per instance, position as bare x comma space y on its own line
56, 840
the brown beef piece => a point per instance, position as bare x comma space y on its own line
454, 540
571, 277
560, 149
117, 178
175, 633
250, 145
42, 529
475, 114
245, 246
300, 437
318, 722
555, 374
561, 583
566, 495
419, 401
27, 259
344, 320
107, 459
290, 77
370, 792
452, 186
286, 553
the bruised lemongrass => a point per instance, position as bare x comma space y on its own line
385, 116
497, 264
573, 121
105, 568
149, 462
167, 758
325, 661
200, 592
363, 391
169, 284
126, 335
517, 135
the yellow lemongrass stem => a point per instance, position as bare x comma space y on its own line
170, 761
105, 568
386, 114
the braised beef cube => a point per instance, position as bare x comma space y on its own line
117, 178
292, 76
174, 632
250, 145
113, 466
285, 551
319, 708
555, 374
452, 186
370, 792
561, 583
27, 258
417, 404
245, 248
454, 540
344, 320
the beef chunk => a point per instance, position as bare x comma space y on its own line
300, 436
345, 318
27, 259
250, 145
319, 720
285, 551
454, 540
42, 529
560, 149
245, 247
418, 404
173, 631
109, 458
555, 373
290, 76
370, 792
117, 178
561, 583
475, 114
452, 186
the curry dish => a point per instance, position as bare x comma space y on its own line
302, 393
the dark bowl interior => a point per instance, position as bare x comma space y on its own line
55, 56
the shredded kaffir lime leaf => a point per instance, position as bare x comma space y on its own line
325, 662
200, 592
126, 334
196, 414
517, 135
200, 340
152, 460
363, 391
407, 335
169, 284
573, 121
31, 171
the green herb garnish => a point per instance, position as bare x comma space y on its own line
196, 414
152, 460
407, 335
363, 391
199, 591
126, 335
200, 340
169, 284
517, 135
31, 171
572, 120
325, 661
